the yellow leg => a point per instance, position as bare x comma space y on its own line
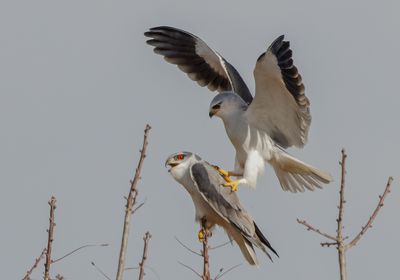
232, 184
225, 174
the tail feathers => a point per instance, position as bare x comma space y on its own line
248, 252
245, 246
264, 241
295, 175
246, 243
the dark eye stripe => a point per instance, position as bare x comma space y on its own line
217, 106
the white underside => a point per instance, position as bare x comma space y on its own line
257, 148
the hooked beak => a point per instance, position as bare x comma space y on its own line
212, 112
214, 109
170, 162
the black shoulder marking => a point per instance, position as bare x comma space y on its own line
206, 187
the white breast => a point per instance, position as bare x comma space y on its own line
246, 138
203, 209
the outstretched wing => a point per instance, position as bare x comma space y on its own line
280, 106
199, 61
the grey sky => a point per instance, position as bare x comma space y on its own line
78, 85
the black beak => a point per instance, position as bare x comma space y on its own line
210, 114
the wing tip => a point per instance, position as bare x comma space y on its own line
264, 240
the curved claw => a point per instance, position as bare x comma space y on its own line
232, 184
201, 235
225, 174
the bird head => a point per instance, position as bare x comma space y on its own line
226, 104
179, 162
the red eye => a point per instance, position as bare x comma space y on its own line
180, 157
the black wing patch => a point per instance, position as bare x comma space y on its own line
179, 47
290, 74
208, 188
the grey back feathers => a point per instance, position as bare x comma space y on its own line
227, 204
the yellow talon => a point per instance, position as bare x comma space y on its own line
224, 173
200, 235
232, 184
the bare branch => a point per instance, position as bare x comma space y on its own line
310, 227
146, 266
137, 208
374, 214
132, 268
339, 231
206, 260
77, 249
131, 200
50, 231
186, 247
100, 271
339, 240
222, 274
328, 244
146, 239
37, 260
220, 246
193, 270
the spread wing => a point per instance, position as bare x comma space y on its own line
280, 106
199, 61
225, 202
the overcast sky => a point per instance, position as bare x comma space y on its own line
78, 84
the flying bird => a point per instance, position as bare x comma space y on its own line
259, 128
217, 205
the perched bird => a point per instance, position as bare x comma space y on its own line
259, 128
216, 205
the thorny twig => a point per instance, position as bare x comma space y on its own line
131, 200
52, 223
146, 239
29, 272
